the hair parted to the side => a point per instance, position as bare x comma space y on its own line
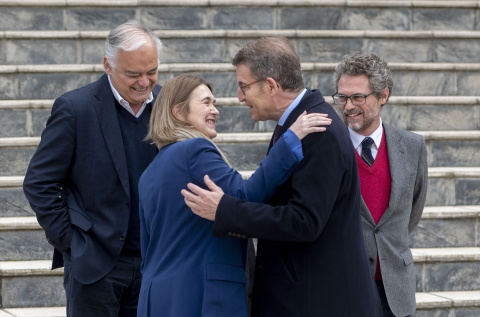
370, 65
165, 128
129, 37
274, 57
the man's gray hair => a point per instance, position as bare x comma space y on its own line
129, 37
370, 65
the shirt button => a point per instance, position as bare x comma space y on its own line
122, 237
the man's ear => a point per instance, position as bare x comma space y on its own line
107, 66
384, 97
272, 85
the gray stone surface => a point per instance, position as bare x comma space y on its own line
443, 19
236, 119
48, 86
39, 120
400, 50
38, 52
24, 245
454, 276
13, 203
32, 19
8, 86
242, 18
395, 115
467, 191
327, 50
193, 51
455, 153
441, 192
244, 156
424, 83
12, 123
445, 233
174, 18
33, 291
93, 51
436, 313
467, 83
442, 118
94, 18
378, 19
456, 51
311, 18
14, 161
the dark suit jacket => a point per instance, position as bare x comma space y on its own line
77, 181
407, 156
311, 257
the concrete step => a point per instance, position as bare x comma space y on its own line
246, 150
443, 304
447, 227
411, 78
19, 118
23, 239
220, 45
460, 303
241, 14
31, 284
447, 269
34, 312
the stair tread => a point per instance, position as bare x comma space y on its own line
34, 312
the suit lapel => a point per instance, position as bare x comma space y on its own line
396, 158
107, 116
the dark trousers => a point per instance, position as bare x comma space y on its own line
383, 299
115, 295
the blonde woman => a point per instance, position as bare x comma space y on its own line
186, 271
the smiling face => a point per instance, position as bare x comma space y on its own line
363, 119
255, 98
202, 113
135, 74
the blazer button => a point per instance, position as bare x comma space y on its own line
377, 230
230, 234
122, 237
371, 260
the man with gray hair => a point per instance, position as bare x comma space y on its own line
82, 180
392, 165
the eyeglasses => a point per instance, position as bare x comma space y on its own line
244, 86
357, 99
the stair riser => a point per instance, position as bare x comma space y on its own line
449, 312
446, 233
31, 122
447, 191
24, 245
33, 291
416, 82
13, 203
448, 276
221, 50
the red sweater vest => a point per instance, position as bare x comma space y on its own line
375, 185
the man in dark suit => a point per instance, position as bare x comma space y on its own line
393, 176
82, 180
311, 258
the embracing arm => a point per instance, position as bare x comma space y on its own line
47, 172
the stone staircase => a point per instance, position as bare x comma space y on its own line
49, 47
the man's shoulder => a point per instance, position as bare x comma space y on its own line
399, 132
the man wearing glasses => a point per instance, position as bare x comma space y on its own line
311, 259
392, 165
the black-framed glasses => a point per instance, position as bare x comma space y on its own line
356, 99
242, 87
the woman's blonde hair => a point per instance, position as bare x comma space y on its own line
165, 128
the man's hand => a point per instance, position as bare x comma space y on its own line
203, 202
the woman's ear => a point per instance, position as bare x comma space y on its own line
177, 113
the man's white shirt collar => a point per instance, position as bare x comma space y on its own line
125, 103
358, 138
